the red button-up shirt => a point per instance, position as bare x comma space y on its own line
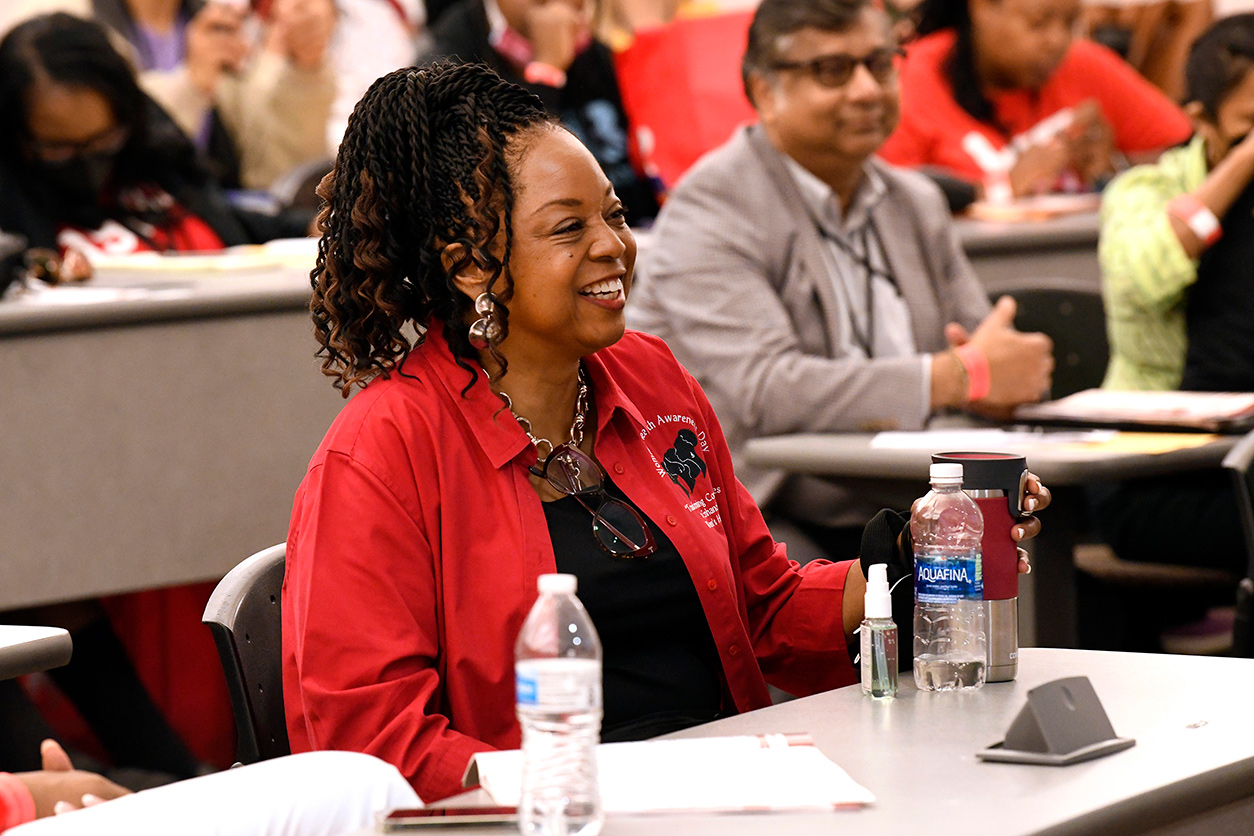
417, 538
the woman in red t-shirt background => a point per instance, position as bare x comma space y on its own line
997, 90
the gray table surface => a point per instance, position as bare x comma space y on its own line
26, 650
1192, 769
1048, 597
1013, 255
159, 439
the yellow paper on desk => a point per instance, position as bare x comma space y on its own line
713, 774
1151, 444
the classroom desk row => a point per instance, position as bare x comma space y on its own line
1190, 772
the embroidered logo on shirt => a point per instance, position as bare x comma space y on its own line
682, 463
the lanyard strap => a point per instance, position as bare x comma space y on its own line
865, 340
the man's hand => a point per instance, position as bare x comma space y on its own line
59, 786
557, 29
1020, 365
216, 44
301, 30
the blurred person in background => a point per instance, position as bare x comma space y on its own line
547, 47
1153, 36
1001, 93
810, 287
1177, 257
89, 162
253, 94
372, 38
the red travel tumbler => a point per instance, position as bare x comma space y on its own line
996, 481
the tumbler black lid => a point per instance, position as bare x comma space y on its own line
988, 471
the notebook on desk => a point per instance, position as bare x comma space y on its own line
1214, 412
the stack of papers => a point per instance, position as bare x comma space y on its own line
1209, 411
716, 774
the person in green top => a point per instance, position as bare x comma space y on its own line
1158, 219
1169, 329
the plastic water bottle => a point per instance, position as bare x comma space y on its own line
950, 640
558, 679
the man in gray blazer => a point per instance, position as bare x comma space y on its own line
811, 287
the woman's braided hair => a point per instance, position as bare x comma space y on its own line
422, 165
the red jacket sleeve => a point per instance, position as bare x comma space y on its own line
362, 632
794, 613
17, 806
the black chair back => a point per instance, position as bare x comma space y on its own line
1238, 463
244, 615
1073, 316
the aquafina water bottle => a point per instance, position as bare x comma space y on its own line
950, 640
558, 679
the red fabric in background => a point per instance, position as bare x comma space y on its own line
178, 664
682, 92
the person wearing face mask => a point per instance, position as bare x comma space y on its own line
999, 92
88, 161
1177, 258
546, 46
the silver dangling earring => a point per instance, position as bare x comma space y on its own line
485, 330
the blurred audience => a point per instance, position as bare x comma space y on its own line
547, 47
254, 95
1170, 266
372, 38
811, 287
1177, 256
1001, 93
88, 160
1152, 35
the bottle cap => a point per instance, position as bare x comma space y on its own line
559, 584
945, 472
877, 603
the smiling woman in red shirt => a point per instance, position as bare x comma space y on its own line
458, 208
997, 89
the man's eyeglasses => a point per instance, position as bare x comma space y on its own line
836, 70
619, 528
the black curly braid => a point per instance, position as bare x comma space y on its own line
423, 164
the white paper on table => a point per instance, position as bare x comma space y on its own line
985, 439
1148, 407
727, 774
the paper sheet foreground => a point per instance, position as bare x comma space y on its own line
729, 774
985, 439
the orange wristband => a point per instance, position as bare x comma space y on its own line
979, 381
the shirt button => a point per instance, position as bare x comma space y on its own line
734, 650
713, 584
670, 518
618, 468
